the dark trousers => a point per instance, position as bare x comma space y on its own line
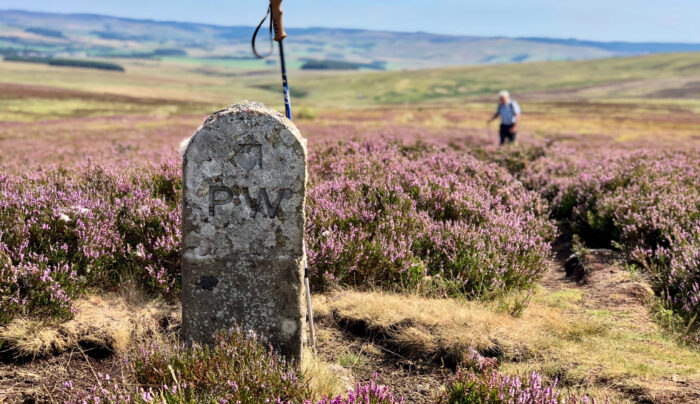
506, 136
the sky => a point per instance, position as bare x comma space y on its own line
603, 20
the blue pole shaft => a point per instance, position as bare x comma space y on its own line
288, 112
285, 84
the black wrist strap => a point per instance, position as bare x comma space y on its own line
255, 35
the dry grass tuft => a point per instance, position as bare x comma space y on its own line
425, 328
326, 379
102, 325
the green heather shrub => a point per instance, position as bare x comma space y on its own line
237, 368
478, 381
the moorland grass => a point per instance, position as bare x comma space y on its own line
555, 337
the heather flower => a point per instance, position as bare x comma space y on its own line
370, 392
64, 231
422, 218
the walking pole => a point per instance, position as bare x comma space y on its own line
308, 299
276, 20
276, 9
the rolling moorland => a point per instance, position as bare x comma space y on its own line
85, 35
569, 260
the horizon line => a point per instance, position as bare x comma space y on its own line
529, 37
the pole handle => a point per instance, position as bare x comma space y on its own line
276, 7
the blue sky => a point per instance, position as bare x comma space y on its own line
607, 20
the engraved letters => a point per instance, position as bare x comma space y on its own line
247, 156
257, 204
213, 201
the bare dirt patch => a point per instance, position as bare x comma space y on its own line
610, 290
41, 381
366, 356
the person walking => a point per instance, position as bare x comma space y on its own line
510, 114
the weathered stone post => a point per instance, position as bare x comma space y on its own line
244, 190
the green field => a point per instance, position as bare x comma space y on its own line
665, 78
673, 76
627, 98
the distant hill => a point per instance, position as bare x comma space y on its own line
623, 48
89, 35
660, 76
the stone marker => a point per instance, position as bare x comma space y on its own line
244, 190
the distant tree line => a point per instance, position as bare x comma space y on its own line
313, 64
146, 55
170, 52
120, 36
45, 32
88, 64
232, 57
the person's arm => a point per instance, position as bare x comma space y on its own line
494, 117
